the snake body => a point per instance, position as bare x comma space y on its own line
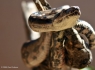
87, 32
77, 55
60, 28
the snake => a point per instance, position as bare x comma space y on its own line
59, 28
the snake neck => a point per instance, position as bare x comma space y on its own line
54, 60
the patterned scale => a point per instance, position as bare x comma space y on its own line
77, 42
87, 32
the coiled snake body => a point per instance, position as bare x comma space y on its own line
60, 28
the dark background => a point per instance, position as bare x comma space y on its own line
13, 32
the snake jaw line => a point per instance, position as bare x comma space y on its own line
55, 19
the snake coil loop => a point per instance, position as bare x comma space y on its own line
78, 36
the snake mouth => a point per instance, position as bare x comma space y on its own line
49, 16
54, 19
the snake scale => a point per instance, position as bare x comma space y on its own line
65, 40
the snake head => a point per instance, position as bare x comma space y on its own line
77, 53
54, 19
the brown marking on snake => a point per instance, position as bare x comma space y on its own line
34, 57
37, 50
87, 31
58, 59
42, 47
56, 52
25, 54
74, 51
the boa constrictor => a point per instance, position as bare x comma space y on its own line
60, 28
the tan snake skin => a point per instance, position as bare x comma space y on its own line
65, 40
